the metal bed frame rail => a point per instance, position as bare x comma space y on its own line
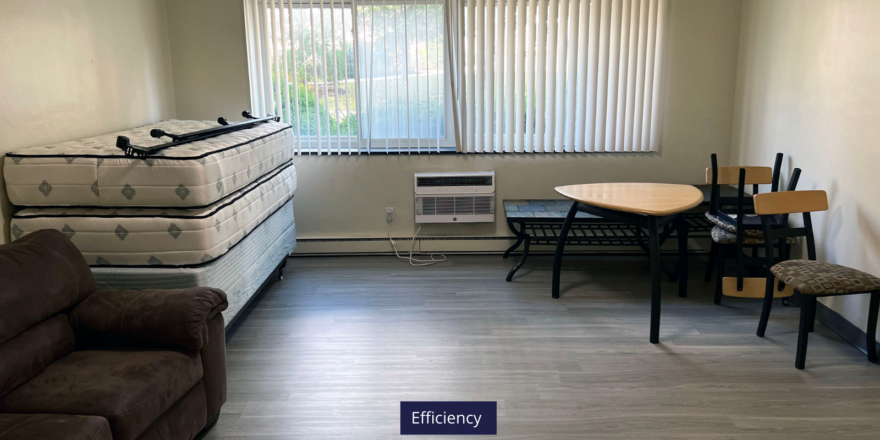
225, 127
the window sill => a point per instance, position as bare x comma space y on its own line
452, 151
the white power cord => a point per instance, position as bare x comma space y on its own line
414, 261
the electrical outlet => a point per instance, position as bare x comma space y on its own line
389, 214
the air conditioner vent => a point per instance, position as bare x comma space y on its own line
454, 181
455, 205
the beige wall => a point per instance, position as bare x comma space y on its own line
341, 196
71, 69
809, 86
209, 57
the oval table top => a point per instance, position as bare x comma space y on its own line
657, 199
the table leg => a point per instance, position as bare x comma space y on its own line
682, 234
654, 249
522, 259
512, 248
560, 248
518, 235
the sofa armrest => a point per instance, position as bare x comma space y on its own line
214, 365
175, 318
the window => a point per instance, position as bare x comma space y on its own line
525, 76
403, 65
352, 77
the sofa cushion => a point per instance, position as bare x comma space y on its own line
130, 388
25, 356
42, 274
53, 427
184, 420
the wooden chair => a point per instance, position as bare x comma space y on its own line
734, 231
810, 279
717, 176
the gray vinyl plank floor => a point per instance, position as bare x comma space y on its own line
330, 351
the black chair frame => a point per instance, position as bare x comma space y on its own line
717, 203
807, 302
752, 261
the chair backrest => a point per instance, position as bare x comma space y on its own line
777, 167
731, 175
790, 202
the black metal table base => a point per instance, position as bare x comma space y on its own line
653, 224
594, 231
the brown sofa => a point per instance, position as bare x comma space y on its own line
76, 363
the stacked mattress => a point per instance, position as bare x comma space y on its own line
215, 212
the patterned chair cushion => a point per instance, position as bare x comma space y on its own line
723, 236
731, 228
816, 278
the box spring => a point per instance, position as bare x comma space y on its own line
239, 273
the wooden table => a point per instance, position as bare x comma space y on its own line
645, 205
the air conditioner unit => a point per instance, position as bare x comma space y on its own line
455, 197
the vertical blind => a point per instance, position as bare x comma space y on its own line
401, 48
350, 76
561, 75
301, 69
526, 76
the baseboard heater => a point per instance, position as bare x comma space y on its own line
400, 239
547, 251
419, 238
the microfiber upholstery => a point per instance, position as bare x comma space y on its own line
41, 274
81, 364
214, 361
817, 278
129, 388
165, 318
25, 356
183, 420
53, 427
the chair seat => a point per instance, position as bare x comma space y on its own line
723, 236
129, 388
817, 278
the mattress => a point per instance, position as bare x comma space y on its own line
94, 172
239, 273
164, 237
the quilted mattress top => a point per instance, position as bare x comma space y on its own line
93, 172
